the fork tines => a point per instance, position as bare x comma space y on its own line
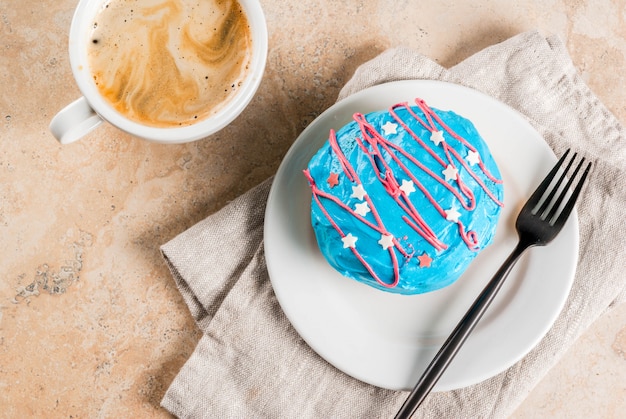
543, 201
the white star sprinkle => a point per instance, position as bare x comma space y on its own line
407, 187
358, 192
362, 209
386, 241
450, 173
349, 241
473, 157
452, 215
389, 128
437, 137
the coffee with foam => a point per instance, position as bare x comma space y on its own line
167, 63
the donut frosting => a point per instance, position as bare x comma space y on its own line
405, 198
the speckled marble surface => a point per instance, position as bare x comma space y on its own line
91, 323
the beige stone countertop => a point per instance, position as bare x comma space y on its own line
91, 322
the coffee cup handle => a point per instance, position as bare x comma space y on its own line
74, 121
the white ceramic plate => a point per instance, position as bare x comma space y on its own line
388, 340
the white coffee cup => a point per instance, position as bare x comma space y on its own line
86, 113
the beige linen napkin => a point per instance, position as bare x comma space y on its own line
251, 363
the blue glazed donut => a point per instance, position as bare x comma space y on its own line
404, 199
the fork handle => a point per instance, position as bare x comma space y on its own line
458, 336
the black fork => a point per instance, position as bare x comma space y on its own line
539, 221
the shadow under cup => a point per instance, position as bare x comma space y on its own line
81, 35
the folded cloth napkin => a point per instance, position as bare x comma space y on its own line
251, 363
